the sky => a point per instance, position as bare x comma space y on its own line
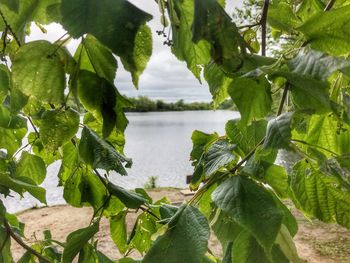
165, 77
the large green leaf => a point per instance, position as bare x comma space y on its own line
326, 134
201, 141
102, 99
95, 57
12, 4
100, 154
309, 8
127, 36
324, 196
185, 242
58, 127
253, 98
144, 230
130, 199
117, 226
317, 65
31, 166
38, 70
218, 83
23, 184
245, 137
5, 253
4, 82
281, 16
278, 133
213, 24
70, 162
76, 241
181, 14
251, 206
329, 31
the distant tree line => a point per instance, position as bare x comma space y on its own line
145, 104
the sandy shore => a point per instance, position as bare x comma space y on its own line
316, 242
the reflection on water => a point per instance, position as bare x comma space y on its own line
159, 144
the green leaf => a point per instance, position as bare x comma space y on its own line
76, 241
213, 24
96, 58
276, 176
200, 141
329, 31
218, 155
38, 71
103, 258
194, 54
58, 127
245, 137
127, 36
144, 230
31, 166
218, 83
316, 64
117, 226
70, 162
253, 98
325, 133
282, 17
185, 242
12, 4
23, 184
308, 8
73, 187
99, 154
87, 254
324, 196
5, 253
251, 206
4, 82
129, 199
102, 99
279, 133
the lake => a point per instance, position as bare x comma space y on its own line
159, 144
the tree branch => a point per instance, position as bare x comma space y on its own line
329, 5
263, 27
24, 245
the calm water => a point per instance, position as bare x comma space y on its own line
159, 144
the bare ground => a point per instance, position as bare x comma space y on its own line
316, 242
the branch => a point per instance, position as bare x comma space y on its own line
10, 29
32, 123
263, 27
329, 5
24, 245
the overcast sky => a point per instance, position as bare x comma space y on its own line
165, 77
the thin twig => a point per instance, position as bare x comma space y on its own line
10, 29
316, 146
149, 212
32, 123
24, 245
264, 26
283, 99
101, 208
329, 5
250, 26
100, 177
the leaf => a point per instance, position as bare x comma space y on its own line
308, 93
316, 64
12, 4
308, 8
325, 133
31, 166
128, 198
87, 254
76, 241
38, 70
282, 17
144, 230
252, 207
253, 98
58, 127
4, 82
103, 100
194, 54
328, 31
186, 242
278, 133
218, 83
23, 184
324, 196
245, 137
97, 58
219, 155
117, 226
127, 36
213, 24
70, 162
5, 253
276, 176
99, 154
200, 141
103, 258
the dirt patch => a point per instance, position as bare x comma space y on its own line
316, 242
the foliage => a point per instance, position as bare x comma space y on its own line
61, 107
